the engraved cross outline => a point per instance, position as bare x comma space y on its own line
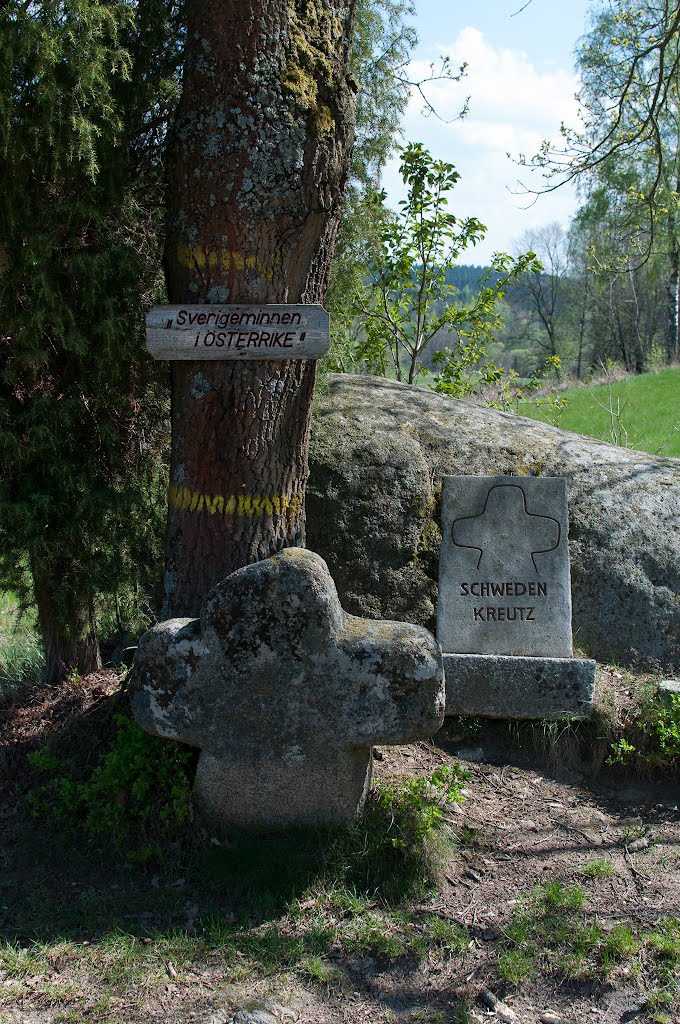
543, 528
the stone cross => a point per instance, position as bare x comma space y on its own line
285, 694
504, 606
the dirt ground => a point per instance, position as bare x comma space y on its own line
522, 824
530, 826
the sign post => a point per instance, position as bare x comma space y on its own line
237, 332
225, 512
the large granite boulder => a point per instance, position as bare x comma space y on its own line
379, 451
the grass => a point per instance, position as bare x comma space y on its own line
84, 947
644, 411
89, 935
550, 932
599, 867
84, 930
21, 656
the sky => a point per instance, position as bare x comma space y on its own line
521, 83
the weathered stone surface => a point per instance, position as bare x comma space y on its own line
253, 1017
504, 567
379, 451
496, 686
285, 694
504, 606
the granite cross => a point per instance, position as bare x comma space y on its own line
504, 605
285, 694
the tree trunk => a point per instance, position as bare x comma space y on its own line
673, 293
582, 326
69, 634
259, 157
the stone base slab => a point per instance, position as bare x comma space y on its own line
326, 787
500, 686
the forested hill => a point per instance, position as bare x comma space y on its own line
465, 276
467, 279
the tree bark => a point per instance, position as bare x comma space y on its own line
69, 634
258, 162
673, 293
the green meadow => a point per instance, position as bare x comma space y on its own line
640, 412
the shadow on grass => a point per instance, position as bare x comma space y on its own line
79, 877
59, 883
317, 903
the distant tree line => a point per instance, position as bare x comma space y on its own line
620, 263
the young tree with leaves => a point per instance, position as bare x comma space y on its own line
407, 306
383, 42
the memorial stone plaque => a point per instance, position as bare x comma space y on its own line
504, 567
504, 609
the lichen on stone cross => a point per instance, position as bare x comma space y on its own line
285, 694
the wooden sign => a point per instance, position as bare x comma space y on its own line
237, 332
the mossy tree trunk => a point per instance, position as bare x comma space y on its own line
68, 629
259, 158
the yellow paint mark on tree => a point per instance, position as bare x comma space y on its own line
186, 500
196, 257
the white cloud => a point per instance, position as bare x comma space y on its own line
513, 108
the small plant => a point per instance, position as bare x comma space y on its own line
662, 946
668, 728
618, 435
73, 677
319, 969
656, 733
447, 936
622, 752
417, 806
556, 896
600, 867
44, 761
394, 850
139, 795
548, 932
516, 966
373, 934
464, 726
620, 944
554, 406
